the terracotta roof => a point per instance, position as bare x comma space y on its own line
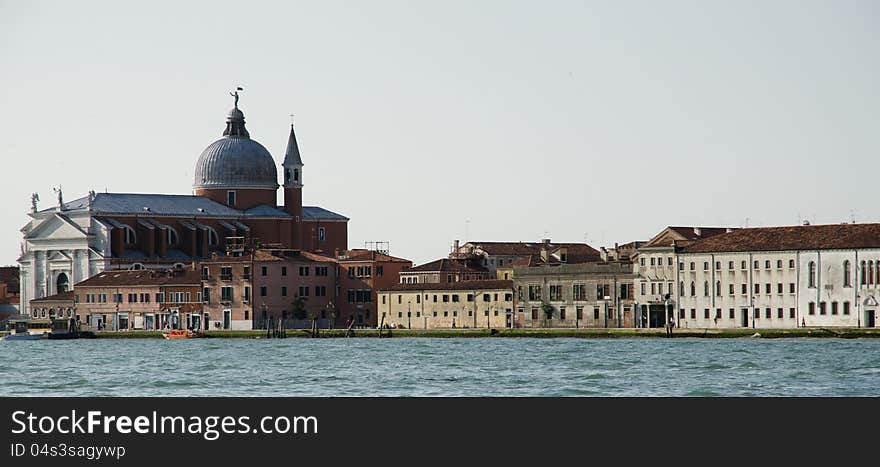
531, 248
368, 255
143, 277
683, 234
59, 297
266, 254
797, 237
448, 265
461, 285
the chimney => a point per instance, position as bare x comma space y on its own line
697, 231
545, 241
615, 245
455, 246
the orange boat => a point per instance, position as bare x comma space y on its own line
181, 334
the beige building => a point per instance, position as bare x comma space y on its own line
466, 304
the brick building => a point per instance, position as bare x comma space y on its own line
235, 200
263, 285
446, 270
361, 273
143, 299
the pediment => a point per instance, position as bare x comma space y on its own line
58, 256
665, 238
56, 227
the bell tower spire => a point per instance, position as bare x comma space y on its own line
292, 168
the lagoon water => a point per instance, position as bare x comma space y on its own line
442, 367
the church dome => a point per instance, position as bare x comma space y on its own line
235, 160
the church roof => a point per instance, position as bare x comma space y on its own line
316, 212
291, 156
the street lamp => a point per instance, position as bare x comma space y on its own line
409, 314
605, 302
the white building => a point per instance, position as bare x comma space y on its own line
657, 273
781, 277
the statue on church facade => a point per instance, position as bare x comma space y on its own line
34, 199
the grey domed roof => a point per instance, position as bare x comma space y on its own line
235, 161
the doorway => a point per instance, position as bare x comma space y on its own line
227, 319
745, 317
870, 318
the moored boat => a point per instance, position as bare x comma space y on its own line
64, 328
28, 330
181, 334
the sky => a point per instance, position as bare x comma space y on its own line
426, 122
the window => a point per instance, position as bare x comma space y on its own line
767, 264
732, 290
730, 265
321, 271
283, 270
743, 265
596, 313
757, 264
132, 298
283, 290
718, 313
246, 272
579, 312
230, 198
681, 288
264, 270
705, 288
847, 274
669, 260
821, 308
846, 308
791, 313
226, 273
263, 291
555, 293
757, 289
693, 266
212, 237
768, 313
435, 298
226, 294
779, 287
455, 298
693, 289
643, 290
778, 264
534, 313
757, 313
681, 266
350, 296
681, 313
791, 287
561, 312
160, 297
445, 298
717, 265
206, 295
693, 313
579, 291
718, 288
351, 272
321, 234
485, 297
368, 271
706, 313
731, 313
745, 289
812, 274
534, 292
812, 308
247, 294
652, 261
642, 262
833, 308
767, 288
303, 291
705, 265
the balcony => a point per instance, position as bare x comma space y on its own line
225, 277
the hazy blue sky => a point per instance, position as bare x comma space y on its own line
511, 120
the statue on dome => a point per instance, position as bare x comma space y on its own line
34, 199
235, 95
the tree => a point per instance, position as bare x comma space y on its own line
548, 310
299, 307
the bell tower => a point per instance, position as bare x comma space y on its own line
292, 167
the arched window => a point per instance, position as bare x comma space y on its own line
706, 288
130, 237
178, 266
213, 239
295, 175
136, 267
863, 280
718, 288
681, 289
812, 276
693, 289
870, 272
172, 236
847, 274
62, 283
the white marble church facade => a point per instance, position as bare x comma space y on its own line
60, 247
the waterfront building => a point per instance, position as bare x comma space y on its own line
148, 299
362, 272
446, 270
444, 305
60, 305
261, 286
655, 266
556, 290
9, 292
234, 200
495, 255
781, 277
